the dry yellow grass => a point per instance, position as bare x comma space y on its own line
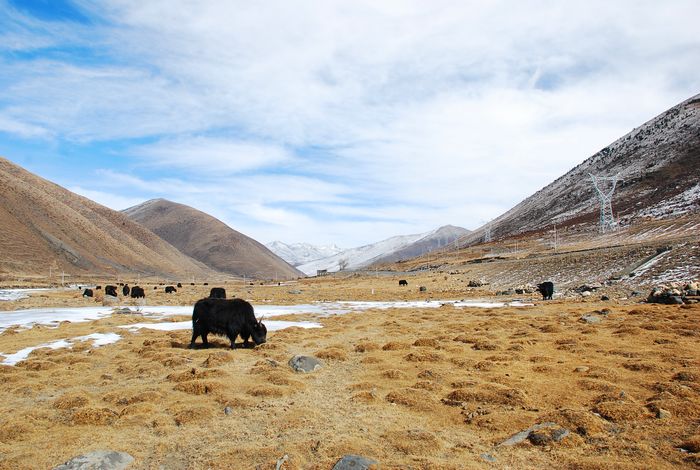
410, 388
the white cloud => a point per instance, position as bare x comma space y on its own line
351, 121
116, 202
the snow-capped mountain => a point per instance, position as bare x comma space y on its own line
300, 253
394, 248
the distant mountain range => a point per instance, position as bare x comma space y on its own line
46, 228
657, 167
301, 253
209, 240
391, 249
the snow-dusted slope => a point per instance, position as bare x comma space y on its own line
357, 258
435, 240
657, 165
301, 253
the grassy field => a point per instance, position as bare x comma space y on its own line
409, 388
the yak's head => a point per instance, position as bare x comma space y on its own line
259, 332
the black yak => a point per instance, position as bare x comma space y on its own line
179, 284
546, 289
125, 290
87, 293
111, 290
403, 282
226, 317
137, 292
170, 289
217, 293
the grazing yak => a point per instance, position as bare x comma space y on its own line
125, 290
137, 292
403, 282
217, 293
87, 293
546, 289
226, 317
111, 290
170, 289
179, 284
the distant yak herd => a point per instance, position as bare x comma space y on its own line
233, 317
137, 292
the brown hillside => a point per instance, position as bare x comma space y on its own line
46, 226
210, 241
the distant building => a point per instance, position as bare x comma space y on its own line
321, 272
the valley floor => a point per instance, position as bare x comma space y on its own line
408, 387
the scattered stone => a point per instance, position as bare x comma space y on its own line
674, 294
581, 369
555, 433
98, 460
123, 311
355, 462
560, 434
422, 289
305, 364
635, 293
489, 458
228, 411
604, 297
586, 293
474, 283
294, 291
281, 462
590, 318
663, 414
539, 438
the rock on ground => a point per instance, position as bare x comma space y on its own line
98, 460
355, 462
305, 363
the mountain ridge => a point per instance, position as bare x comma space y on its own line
209, 240
367, 255
47, 227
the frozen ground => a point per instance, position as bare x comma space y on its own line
98, 339
17, 294
54, 316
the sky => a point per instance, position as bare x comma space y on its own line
342, 122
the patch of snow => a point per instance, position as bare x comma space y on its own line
17, 294
98, 339
678, 204
51, 316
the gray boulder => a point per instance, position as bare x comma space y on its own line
98, 460
590, 318
305, 363
354, 462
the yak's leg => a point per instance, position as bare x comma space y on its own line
232, 333
205, 343
195, 333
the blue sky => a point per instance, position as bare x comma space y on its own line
329, 121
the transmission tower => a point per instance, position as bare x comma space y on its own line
607, 220
487, 233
